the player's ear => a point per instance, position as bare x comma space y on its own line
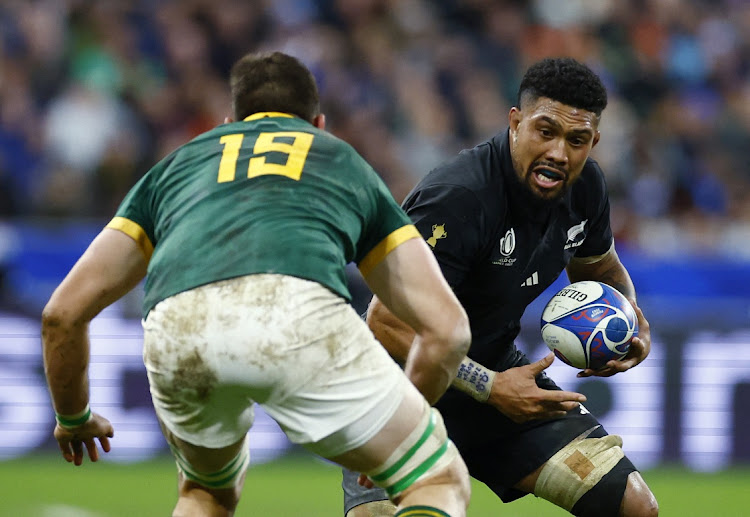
514, 118
597, 135
228, 120
319, 121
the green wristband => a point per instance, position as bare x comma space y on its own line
71, 421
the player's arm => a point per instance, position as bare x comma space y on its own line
431, 330
608, 269
111, 266
512, 392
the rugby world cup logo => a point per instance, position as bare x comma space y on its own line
508, 243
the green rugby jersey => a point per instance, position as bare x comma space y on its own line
269, 194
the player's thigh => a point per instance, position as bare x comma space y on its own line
378, 449
410, 451
202, 459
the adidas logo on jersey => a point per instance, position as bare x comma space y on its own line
532, 280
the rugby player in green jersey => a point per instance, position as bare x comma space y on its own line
243, 236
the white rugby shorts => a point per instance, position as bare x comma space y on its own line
291, 345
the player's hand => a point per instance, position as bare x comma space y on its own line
640, 347
72, 441
516, 395
364, 481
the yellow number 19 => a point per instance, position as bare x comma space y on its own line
296, 155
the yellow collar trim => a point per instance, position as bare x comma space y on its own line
264, 114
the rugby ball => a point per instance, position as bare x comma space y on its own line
588, 323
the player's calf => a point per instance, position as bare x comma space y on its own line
373, 509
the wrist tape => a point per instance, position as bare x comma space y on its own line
474, 379
75, 420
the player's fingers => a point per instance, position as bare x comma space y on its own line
605, 372
550, 410
559, 405
633, 358
569, 406
639, 315
637, 348
364, 481
624, 365
556, 396
542, 364
106, 447
77, 452
92, 450
66, 450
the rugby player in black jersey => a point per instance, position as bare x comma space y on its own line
504, 220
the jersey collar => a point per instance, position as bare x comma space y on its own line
266, 114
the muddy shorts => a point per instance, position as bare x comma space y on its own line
291, 345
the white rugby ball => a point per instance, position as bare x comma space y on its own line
588, 323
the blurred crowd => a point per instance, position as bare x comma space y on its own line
94, 92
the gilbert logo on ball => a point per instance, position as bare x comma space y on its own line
588, 323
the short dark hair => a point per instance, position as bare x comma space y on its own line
565, 80
273, 82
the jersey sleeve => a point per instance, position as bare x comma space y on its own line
599, 237
386, 224
135, 215
450, 219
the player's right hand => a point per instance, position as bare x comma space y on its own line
516, 395
72, 441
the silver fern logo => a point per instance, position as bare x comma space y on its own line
508, 243
573, 234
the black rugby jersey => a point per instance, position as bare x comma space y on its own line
498, 245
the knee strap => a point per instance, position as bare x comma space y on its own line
424, 452
577, 467
227, 477
605, 498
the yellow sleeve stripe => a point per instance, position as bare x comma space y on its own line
384, 247
133, 230
263, 114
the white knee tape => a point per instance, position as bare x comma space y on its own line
576, 468
424, 452
227, 477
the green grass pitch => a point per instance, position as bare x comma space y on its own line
300, 486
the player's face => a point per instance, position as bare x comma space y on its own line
549, 144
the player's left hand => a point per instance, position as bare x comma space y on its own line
72, 441
640, 347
